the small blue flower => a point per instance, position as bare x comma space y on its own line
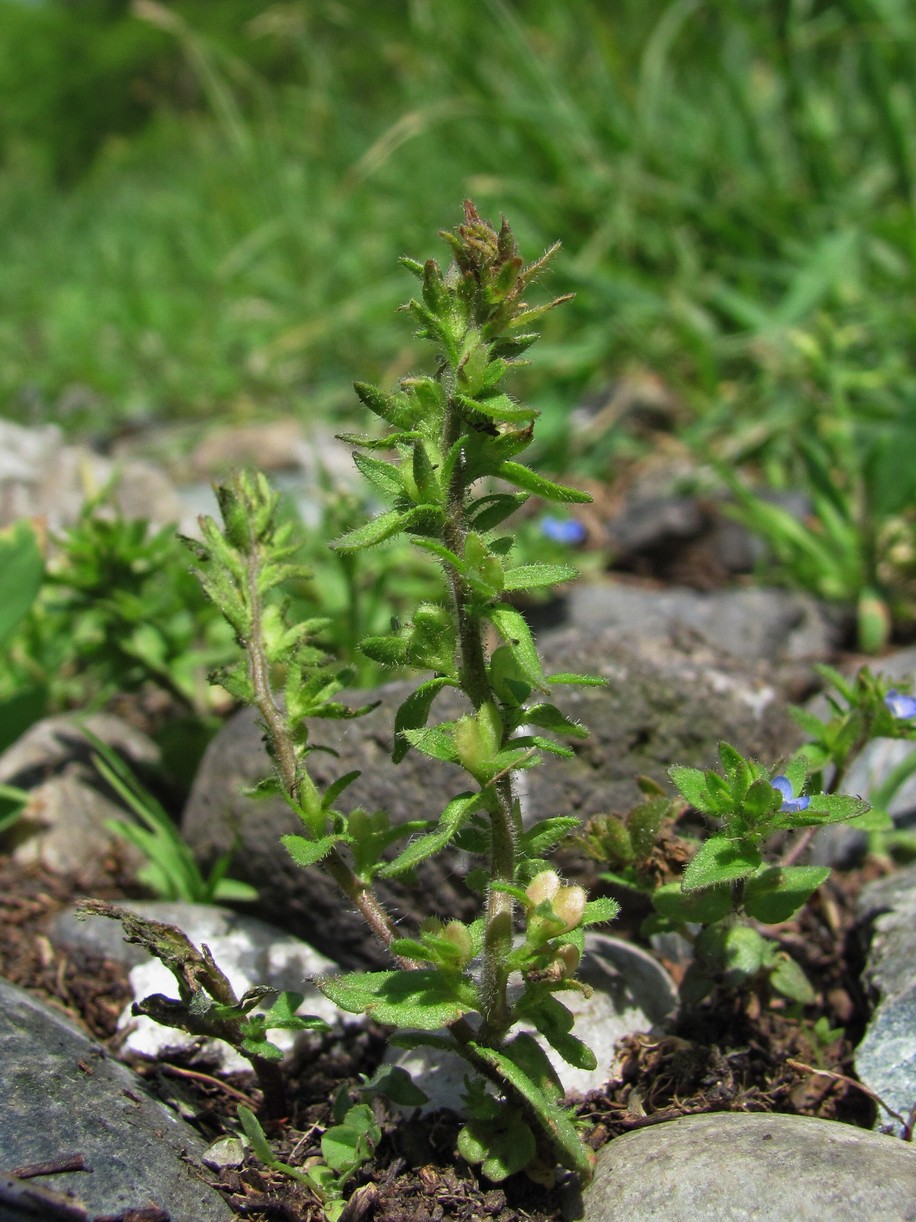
563, 530
900, 705
783, 785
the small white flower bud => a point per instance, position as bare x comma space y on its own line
543, 886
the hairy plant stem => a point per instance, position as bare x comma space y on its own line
294, 778
500, 799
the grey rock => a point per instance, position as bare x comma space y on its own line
729, 1167
42, 476
887, 912
885, 1059
63, 824
63, 1095
250, 952
773, 626
632, 994
662, 704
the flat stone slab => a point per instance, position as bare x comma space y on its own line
62, 1095
731, 1167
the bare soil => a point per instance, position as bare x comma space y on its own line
729, 1054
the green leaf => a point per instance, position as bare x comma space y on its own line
256, 1135
760, 800
433, 741
534, 576
393, 408
396, 1084
499, 407
413, 713
513, 628
523, 477
524, 1064
542, 837
386, 650
450, 822
336, 788
778, 892
719, 861
573, 680
554, 1021
600, 910
549, 717
788, 978
308, 852
382, 475
702, 908
736, 953
375, 531
691, 783
347, 1146
21, 574
502, 1146
425, 999
734, 764
823, 808
487, 512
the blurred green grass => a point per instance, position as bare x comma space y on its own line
733, 184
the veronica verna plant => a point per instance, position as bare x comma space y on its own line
721, 894
448, 469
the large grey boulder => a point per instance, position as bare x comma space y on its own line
663, 703
779, 627
729, 1167
62, 1095
886, 1056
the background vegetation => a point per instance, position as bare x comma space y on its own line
202, 204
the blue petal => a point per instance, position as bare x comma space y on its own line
562, 530
900, 705
790, 803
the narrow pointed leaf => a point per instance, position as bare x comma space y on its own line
513, 628
535, 576
524, 477
450, 823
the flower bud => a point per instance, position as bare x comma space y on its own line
543, 886
566, 960
569, 905
478, 739
460, 936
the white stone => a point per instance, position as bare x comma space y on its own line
250, 952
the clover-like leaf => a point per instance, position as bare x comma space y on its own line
778, 892
424, 999
692, 907
719, 860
